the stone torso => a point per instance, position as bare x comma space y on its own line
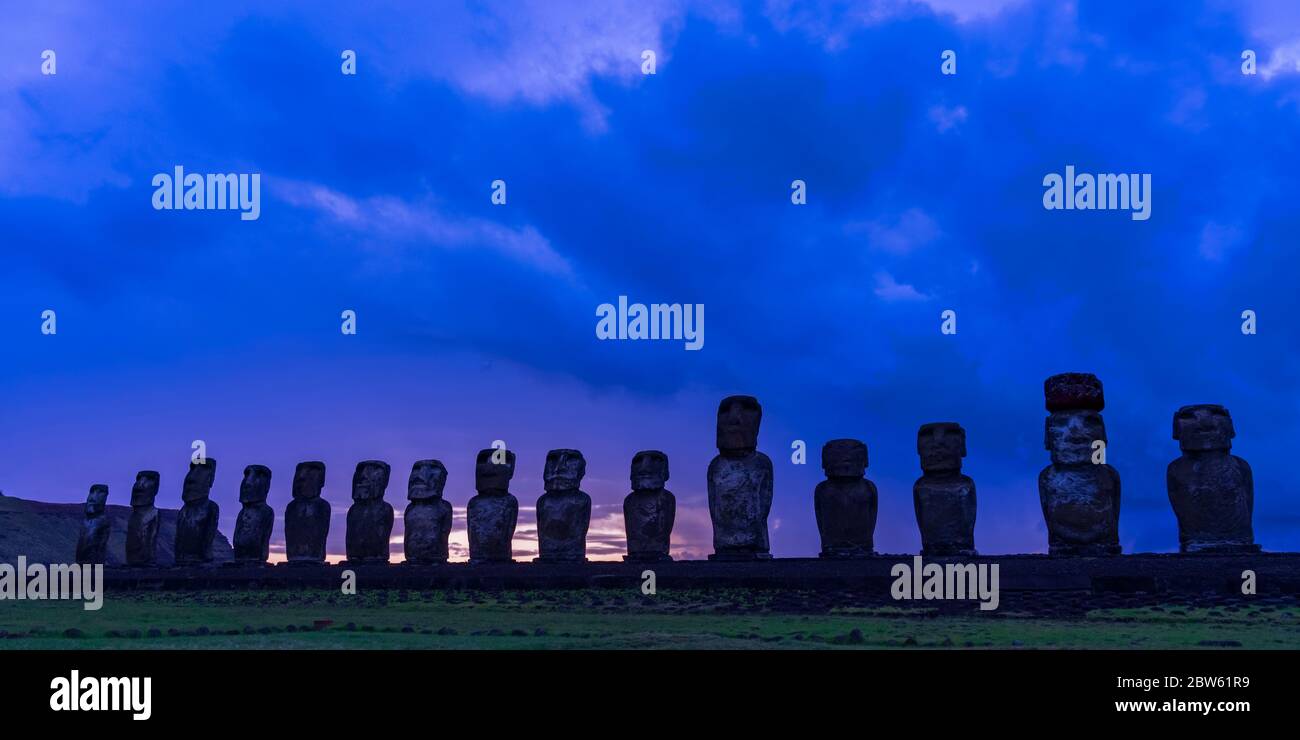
846, 516
491, 520
306, 527
253, 532
196, 527
427, 526
1213, 498
945, 514
142, 536
370, 525
562, 521
92, 546
740, 498
1081, 506
648, 519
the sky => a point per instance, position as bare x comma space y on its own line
476, 321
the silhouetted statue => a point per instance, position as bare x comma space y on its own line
1212, 491
307, 518
492, 514
1079, 491
564, 511
740, 484
142, 527
427, 521
649, 510
92, 546
846, 501
370, 518
253, 527
196, 524
944, 498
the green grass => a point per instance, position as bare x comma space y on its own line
721, 619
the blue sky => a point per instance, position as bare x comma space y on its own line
476, 322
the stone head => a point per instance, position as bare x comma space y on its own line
145, 489
1070, 435
370, 481
198, 482
844, 458
1073, 392
564, 470
255, 485
738, 421
941, 446
427, 480
649, 470
308, 479
490, 475
1205, 426
96, 500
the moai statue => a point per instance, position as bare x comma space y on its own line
196, 523
92, 546
427, 521
564, 511
370, 518
1079, 491
650, 509
846, 502
1212, 491
944, 498
307, 518
142, 527
740, 484
493, 513
253, 527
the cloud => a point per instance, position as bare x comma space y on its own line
889, 289
967, 11
391, 218
530, 52
1282, 61
536, 52
910, 230
945, 118
539, 51
1271, 21
832, 22
54, 137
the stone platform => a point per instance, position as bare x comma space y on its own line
1276, 574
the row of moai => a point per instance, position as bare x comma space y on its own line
563, 514
1211, 491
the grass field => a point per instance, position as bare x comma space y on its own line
596, 619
